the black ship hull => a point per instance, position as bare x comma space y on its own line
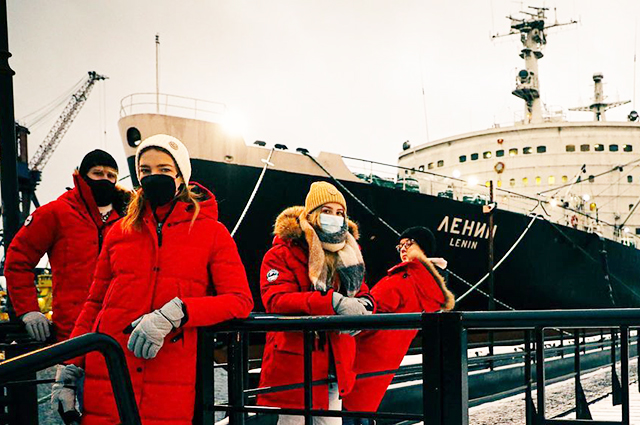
552, 267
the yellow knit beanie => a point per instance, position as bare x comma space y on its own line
321, 193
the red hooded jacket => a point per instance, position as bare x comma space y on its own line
287, 289
409, 287
70, 230
137, 273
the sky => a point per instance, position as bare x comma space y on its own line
356, 77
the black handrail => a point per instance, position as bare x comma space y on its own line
66, 350
444, 349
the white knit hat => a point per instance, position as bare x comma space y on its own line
175, 148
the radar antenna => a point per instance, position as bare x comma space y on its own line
532, 35
599, 106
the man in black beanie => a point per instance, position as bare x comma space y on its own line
70, 230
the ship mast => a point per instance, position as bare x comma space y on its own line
599, 106
533, 38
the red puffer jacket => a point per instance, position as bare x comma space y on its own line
287, 289
409, 287
70, 230
140, 271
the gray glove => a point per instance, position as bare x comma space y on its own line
63, 393
37, 325
150, 329
347, 305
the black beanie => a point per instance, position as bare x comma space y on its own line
423, 237
94, 158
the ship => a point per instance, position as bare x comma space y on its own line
510, 206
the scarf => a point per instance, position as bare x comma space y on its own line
349, 262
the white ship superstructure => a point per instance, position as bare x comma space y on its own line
591, 169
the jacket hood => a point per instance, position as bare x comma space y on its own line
449, 300
287, 227
81, 195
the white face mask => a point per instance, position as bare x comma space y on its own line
331, 223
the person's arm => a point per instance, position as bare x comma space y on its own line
33, 240
281, 291
232, 299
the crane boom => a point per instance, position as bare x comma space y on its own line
59, 129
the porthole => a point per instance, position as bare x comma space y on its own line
565, 179
133, 137
598, 148
526, 151
613, 148
474, 156
627, 148
629, 179
541, 149
500, 153
585, 148
513, 152
552, 180
441, 163
463, 158
430, 166
486, 155
570, 148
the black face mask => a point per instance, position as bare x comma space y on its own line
159, 189
102, 190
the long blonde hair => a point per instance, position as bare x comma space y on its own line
133, 219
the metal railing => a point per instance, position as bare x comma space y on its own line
169, 104
445, 389
17, 367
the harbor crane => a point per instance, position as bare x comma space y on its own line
44, 152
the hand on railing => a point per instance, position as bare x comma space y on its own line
64, 391
37, 325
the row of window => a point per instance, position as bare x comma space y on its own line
542, 149
550, 180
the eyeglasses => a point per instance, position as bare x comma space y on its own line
406, 245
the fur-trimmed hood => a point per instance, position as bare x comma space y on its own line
287, 226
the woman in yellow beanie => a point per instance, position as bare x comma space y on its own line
313, 268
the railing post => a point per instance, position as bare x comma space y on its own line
582, 407
615, 381
528, 399
624, 371
236, 386
204, 412
308, 376
540, 380
431, 369
455, 386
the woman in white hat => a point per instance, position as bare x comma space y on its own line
154, 285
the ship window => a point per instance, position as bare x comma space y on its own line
637, 230
592, 206
499, 183
513, 152
630, 208
629, 179
627, 148
526, 151
133, 137
486, 155
541, 149
584, 148
474, 156
565, 179
538, 181
430, 166
500, 153
570, 148
512, 182
413, 171
613, 148
552, 180
598, 148
487, 183
421, 168
441, 163
463, 158
525, 181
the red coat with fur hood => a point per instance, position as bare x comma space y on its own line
70, 230
287, 289
137, 274
409, 287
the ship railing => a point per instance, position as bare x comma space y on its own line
444, 348
432, 183
16, 376
168, 104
